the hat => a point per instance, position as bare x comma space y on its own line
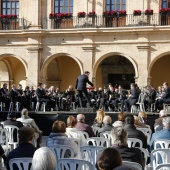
11, 115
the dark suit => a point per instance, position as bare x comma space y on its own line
81, 88
23, 150
134, 133
85, 127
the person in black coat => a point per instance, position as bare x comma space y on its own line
81, 87
133, 97
25, 148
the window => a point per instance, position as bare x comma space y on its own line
63, 6
115, 5
165, 3
10, 7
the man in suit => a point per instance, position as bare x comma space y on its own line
81, 126
165, 98
133, 97
81, 87
25, 148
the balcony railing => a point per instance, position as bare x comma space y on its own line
13, 24
129, 20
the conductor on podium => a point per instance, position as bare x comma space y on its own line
81, 87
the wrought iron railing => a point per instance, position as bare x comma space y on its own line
13, 24
129, 20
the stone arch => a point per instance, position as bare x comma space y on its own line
114, 54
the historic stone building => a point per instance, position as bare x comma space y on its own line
118, 49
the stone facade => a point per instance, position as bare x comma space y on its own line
58, 56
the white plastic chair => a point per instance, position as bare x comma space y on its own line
106, 134
164, 144
145, 154
134, 165
163, 167
74, 164
141, 102
133, 141
10, 129
99, 141
147, 132
25, 162
95, 130
133, 109
62, 151
90, 153
83, 136
163, 154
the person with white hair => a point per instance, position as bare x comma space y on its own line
44, 159
158, 122
82, 126
163, 134
107, 122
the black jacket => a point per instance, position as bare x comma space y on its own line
81, 82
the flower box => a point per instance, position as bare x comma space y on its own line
81, 14
137, 12
148, 12
92, 14
122, 13
164, 11
60, 15
110, 14
12, 16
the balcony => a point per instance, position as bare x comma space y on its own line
102, 22
13, 24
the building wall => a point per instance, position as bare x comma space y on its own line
80, 49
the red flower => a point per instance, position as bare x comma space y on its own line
122, 12
92, 13
149, 11
137, 11
164, 10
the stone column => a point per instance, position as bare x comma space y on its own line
143, 61
33, 65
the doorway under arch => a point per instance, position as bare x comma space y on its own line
61, 72
160, 71
117, 70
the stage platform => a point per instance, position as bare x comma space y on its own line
44, 120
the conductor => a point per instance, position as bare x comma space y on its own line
81, 87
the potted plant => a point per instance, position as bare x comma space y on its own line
122, 13
164, 11
52, 15
13, 16
148, 12
81, 14
67, 15
137, 12
112, 13
92, 14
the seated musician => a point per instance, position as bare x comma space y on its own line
70, 96
132, 98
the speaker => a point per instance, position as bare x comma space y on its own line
86, 110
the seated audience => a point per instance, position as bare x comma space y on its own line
158, 122
109, 159
121, 120
163, 134
27, 121
25, 148
58, 136
81, 126
133, 132
142, 117
44, 159
71, 123
138, 124
98, 121
119, 138
107, 125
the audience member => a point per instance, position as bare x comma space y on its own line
163, 134
107, 125
71, 123
142, 117
27, 121
138, 124
25, 148
2, 154
133, 132
81, 126
44, 159
98, 121
119, 138
121, 120
158, 122
109, 159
